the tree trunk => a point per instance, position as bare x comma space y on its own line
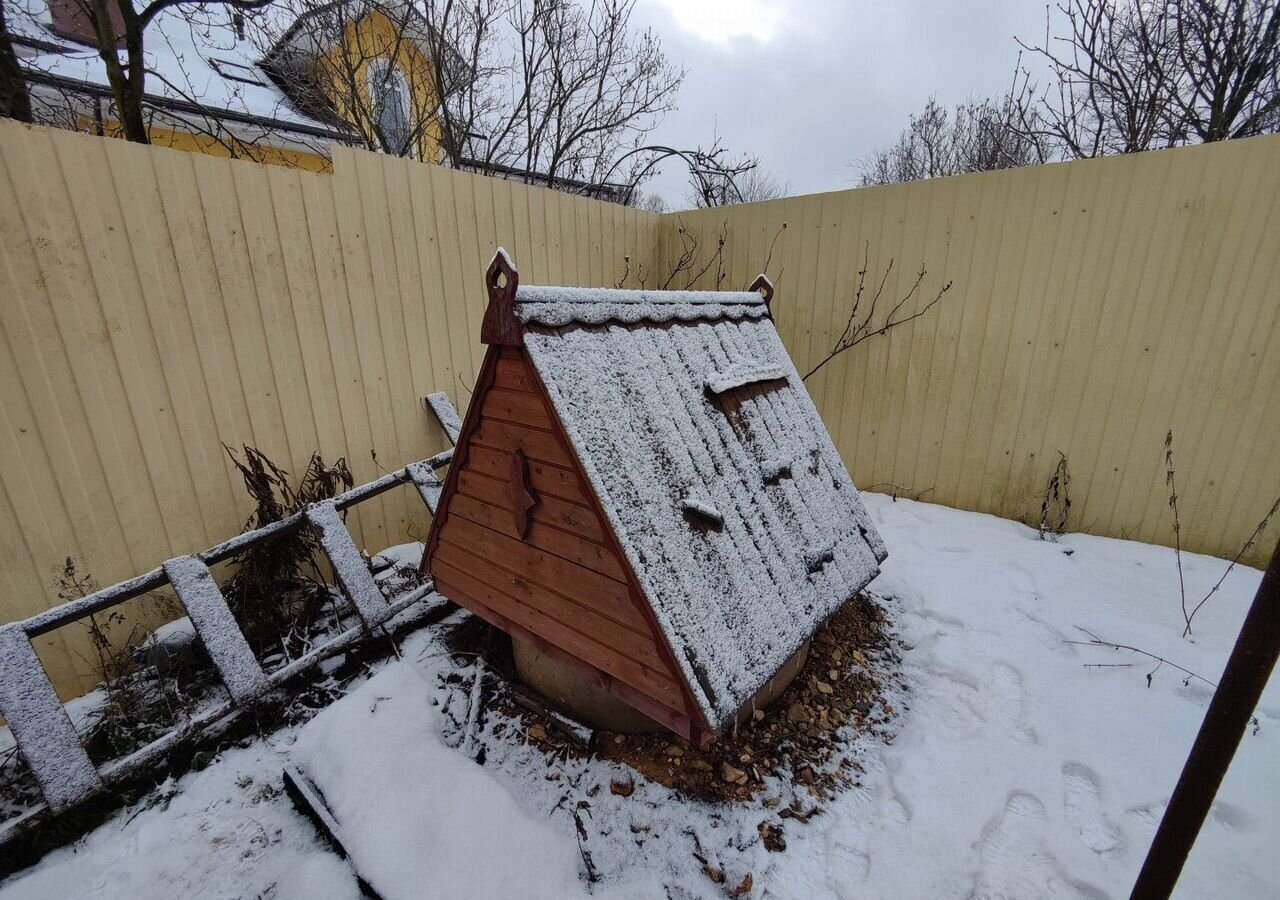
14, 100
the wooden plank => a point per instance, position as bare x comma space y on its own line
348, 565
442, 408
588, 588
550, 510
454, 582
676, 720
513, 375
428, 485
568, 546
545, 477
515, 406
217, 627
41, 726
536, 444
632, 639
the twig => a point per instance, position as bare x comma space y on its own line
769, 257
858, 330
1095, 641
908, 492
473, 711
1177, 526
1262, 526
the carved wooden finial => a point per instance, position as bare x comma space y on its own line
764, 286
500, 325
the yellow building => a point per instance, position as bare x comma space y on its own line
278, 90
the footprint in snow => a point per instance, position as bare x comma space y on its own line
1046, 634
1005, 696
1082, 801
1224, 815
848, 865
1015, 864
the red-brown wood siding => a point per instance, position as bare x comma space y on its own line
564, 583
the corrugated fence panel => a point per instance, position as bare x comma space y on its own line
158, 304
1096, 306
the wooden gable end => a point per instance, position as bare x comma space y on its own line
554, 576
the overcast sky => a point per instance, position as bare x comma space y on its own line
815, 85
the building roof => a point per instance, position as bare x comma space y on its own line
200, 57
196, 60
713, 469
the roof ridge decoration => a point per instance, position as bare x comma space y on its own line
511, 306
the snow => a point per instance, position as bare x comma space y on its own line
734, 602
742, 374
699, 501
446, 414
463, 834
557, 306
428, 485
1015, 772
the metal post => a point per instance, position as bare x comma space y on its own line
1246, 674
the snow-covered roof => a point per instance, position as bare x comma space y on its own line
713, 469
193, 58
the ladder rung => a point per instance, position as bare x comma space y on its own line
442, 407
348, 565
217, 627
40, 724
428, 485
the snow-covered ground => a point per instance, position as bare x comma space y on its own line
1017, 772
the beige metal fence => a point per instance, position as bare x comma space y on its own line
157, 303
1095, 306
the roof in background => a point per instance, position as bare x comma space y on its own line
198, 59
713, 468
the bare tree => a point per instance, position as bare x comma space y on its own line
547, 91
1110, 81
738, 182
1133, 75
554, 89
1229, 54
977, 136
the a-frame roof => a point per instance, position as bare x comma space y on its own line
713, 468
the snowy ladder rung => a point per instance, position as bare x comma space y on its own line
442, 408
44, 732
428, 485
217, 627
348, 565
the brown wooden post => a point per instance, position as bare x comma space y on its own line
1225, 722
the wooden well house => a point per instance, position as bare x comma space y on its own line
643, 491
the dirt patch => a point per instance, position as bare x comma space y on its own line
802, 738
